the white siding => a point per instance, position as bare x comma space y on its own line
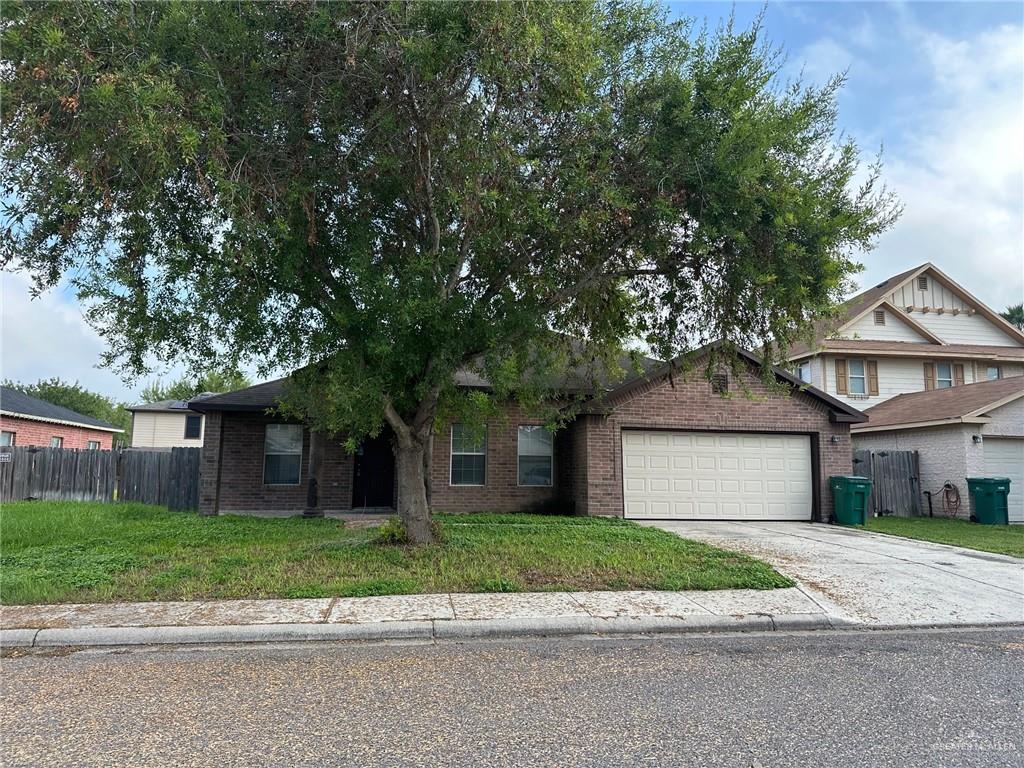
896, 376
894, 329
937, 296
964, 329
153, 429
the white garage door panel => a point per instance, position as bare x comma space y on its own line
716, 476
1004, 457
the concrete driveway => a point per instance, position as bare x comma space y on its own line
874, 578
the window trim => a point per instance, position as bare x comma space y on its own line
951, 379
799, 368
452, 453
863, 376
200, 435
59, 443
302, 438
997, 368
92, 445
14, 437
519, 455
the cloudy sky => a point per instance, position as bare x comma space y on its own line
940, 86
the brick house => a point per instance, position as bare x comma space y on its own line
29, 421
658, 446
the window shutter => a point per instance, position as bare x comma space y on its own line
841, 377
958, 374
872, 377
929, 375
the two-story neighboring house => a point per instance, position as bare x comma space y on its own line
936, 371
917, 331
168, 424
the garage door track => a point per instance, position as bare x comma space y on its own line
874, 578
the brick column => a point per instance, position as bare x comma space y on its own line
209, 464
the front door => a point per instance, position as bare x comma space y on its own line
373, 473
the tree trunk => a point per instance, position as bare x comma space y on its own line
315, 482
413, 508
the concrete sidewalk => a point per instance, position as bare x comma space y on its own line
413, 617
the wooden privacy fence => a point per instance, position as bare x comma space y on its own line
895, 481
169, 478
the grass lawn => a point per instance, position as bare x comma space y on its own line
59, 552
1002, 539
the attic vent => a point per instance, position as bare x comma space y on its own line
720, 383
922, 283
879, 317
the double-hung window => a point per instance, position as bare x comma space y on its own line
993, 372
469, 456
7, 438
56, 442
858, 377
282, 454
193, 426
93, 445
535, 456
943, 375
803, 371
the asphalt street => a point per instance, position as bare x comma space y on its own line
913, 698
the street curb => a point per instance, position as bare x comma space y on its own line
451, 630
464, 629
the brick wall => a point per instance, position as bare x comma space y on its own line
29, 432
501, 491
691, 405
237, 439
944, 454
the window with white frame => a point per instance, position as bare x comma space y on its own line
56, 442
943, 375
535, 456
93, 445
193, 426
857, 374
7, 438
993, 372
803, 371
469, 455
282, 454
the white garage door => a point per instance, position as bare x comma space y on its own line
716, 476
1004, 457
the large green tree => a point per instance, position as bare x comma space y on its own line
384, 192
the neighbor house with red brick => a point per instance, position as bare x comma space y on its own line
659, 445
29, 421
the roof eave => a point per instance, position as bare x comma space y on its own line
952, 421
62, 422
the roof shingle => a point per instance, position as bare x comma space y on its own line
951, 404
17, 403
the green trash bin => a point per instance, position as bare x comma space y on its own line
991, 499
850, 494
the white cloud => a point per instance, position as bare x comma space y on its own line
960, 167
47, 337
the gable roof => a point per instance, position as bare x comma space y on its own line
965, 404
856, 307
18, 404
578, 380
839, 411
